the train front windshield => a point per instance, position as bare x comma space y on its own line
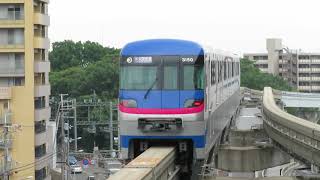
162, 73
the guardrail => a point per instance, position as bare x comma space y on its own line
154, 163
298, 136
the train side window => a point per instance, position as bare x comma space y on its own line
224, 70
229, 70
236, 69
220, 71
213, 72
232, 69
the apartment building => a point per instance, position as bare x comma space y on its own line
300, 69
26, 132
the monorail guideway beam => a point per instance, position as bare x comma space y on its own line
298, 136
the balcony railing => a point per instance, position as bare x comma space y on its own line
11, 70
6, 166
11, 1
42, 19
40, 151
41, 42
11, 48
5, 93
40, 128
7, 23
5, 118
5, 141
41, 66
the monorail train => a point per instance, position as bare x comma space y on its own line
175, 92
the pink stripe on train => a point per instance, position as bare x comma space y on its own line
161, 111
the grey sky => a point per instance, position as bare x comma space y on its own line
236, 25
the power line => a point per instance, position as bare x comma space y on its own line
18, 169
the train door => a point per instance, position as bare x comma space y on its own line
170, 97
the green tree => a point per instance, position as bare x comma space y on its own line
68, 54
253, 78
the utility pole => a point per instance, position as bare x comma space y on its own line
75, 127
111, 126
64, 158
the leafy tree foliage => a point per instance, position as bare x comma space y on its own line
79, 69
68, 54
253, 78
101, 77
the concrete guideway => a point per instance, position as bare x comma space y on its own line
298, 136
154, 163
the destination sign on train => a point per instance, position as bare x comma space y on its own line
140, 60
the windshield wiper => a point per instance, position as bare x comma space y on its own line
148, 91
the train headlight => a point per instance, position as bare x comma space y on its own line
129, 103
193, 103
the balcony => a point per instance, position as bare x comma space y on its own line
12, 1
309, 88
5, 93
41, 138
261, 62
43, 162
42, 90
5, 141
11, 48
11, 72
41, 42
42, 19
5, 117
42, 114
41, 156
6, 166
309, 61
41, 66
11, 23
309, 70
309, 78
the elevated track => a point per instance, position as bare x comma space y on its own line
299, 137
156, 163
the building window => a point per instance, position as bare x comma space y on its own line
15, 12
303, 65
260, 58
40, 30
40, 151
39, 78
41, 174
19, 81
40, 126
39, 102
40, 7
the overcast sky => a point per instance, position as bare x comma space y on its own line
234, 25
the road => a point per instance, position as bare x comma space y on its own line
91, 170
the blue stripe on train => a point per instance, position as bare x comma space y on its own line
199, 141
